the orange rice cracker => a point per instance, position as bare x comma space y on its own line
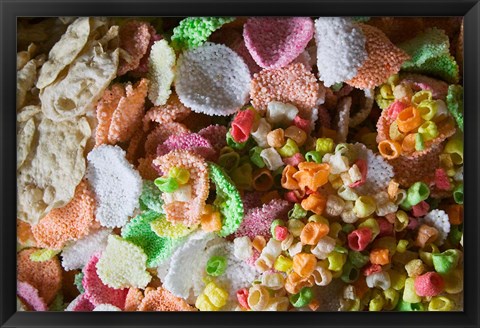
45, 276
128, 115
105, 109
292, 84
134, 299
384, 59
173, 110
71, 222
161, 299
146, 169
135, 149
189, 212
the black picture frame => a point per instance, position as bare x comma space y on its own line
10, 10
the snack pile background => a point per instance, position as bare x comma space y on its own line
240, 164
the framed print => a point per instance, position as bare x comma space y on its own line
223, 163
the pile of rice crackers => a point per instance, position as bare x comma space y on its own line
240, 164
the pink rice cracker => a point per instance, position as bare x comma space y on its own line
275, 42
29, 295
187, 141
241, 49
215, 134
80, 304
189, 212
291, 84
257, 221
96, 291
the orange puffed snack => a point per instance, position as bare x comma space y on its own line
389, 149
361, 287
425, 235
313, 232
315, 202
304, 264
294, 282
210, 219
288, 181
45, 276
455, 214
262, 180
312, 175
259, 243
379, 256
409, 119
408, 143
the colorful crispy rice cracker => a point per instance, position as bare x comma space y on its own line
240, 164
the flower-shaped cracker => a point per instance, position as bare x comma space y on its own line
187, 264
227, 200
193, 142
215, 134
430, 52
80, 304
192, 32
173, 110
30, 296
